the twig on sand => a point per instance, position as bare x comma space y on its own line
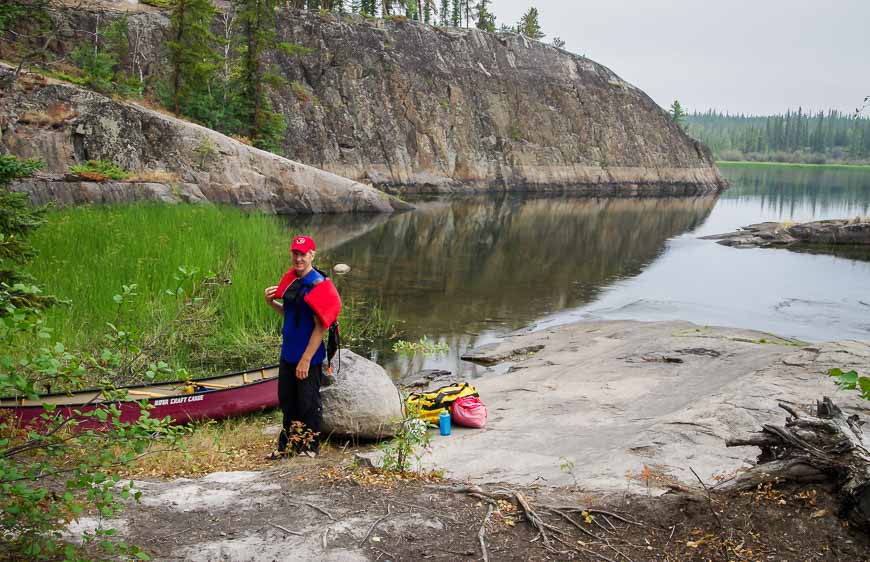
576, 524
586, 550
285, 529
709, 499
573, 509
167, 537
316, 508
383, 553
617, 517
534, 519
421, 508
375, 524
616, 550
482, 532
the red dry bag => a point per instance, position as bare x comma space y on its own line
468, 411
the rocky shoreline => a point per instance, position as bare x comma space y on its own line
613, 396
838, 232
599, 416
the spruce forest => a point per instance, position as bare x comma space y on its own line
831, 137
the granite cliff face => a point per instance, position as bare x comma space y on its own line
411, 107
407, 105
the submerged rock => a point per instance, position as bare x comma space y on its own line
362, 402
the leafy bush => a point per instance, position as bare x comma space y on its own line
423, 345
411, 439
100, 170
851, 380
61, 467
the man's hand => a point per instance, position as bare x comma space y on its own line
270, 293
302, 369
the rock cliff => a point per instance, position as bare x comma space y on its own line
407, 106
174, 160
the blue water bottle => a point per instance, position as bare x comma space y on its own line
444, 422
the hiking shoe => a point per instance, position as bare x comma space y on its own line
309, 454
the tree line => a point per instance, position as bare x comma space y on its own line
796, 136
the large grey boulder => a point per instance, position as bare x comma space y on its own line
64, 125
362, 401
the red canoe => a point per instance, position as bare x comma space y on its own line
212, 398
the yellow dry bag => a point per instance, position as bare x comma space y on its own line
428, 405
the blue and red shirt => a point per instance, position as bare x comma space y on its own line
299, 320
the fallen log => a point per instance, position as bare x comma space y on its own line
828, 447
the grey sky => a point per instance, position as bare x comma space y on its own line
760, 56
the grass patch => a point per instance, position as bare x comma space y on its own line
211, 446
748, 164
99, 170
86, 254
208, 318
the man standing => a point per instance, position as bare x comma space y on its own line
309, 305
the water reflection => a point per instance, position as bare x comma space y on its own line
815, 294
465, 271
804, 192
458, 269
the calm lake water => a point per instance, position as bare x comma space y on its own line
466, 271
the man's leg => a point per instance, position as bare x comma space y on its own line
287, 399
309, 408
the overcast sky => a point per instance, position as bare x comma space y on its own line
759, 56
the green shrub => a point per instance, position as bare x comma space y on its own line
410, 441
423, 345
53, 472
851, 380
100, 170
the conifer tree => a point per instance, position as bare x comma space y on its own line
445, 13
427, 8
485, 18
456, 13
259, 30
529, 25
191, 55
678, 114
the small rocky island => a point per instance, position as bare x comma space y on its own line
854, 232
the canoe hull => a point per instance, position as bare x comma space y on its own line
181, 408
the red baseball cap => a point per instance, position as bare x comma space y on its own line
303, 244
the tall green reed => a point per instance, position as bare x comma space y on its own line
87, 253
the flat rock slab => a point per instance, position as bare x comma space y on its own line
601, 399
855, 232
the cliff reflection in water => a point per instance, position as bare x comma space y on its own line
456, 268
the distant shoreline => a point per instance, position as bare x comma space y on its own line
752, 164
